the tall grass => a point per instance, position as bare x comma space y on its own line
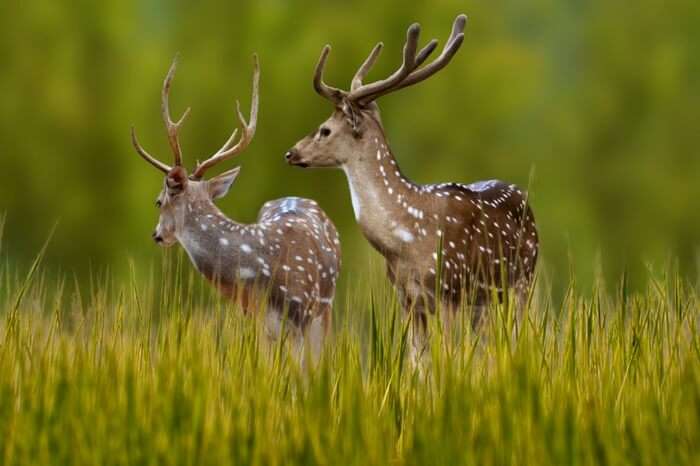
157, 370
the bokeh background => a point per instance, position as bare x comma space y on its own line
594, 105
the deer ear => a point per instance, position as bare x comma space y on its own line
220, 184
176, 180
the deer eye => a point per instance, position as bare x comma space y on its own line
324, 132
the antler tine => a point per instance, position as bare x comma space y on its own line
146, 156
374, 54
366, 66
172, 127
329, 92
425, 52
451, 46
228, 150
408, 65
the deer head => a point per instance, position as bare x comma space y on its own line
180, 190
343, 136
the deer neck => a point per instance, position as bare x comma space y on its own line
383, 198
218, 247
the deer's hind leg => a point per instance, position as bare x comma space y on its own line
522, 301
315, 334
280, 329
274, 328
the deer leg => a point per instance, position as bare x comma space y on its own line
281, 330
245, 300
297, 346
419, 350
414, 305
315, 335
274, 327
522, 298
327, 322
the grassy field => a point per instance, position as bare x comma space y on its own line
156, 370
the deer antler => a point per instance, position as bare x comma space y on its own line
366, 66
228, 150
451, 46
407, 74
172, 127
324, 90
146, 156
408, 65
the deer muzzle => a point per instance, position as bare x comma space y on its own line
294, 158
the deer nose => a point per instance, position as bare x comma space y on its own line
156, 237
294, 158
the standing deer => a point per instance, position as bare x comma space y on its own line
289, 259
449, 242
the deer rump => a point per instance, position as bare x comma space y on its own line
307, 289
490, 247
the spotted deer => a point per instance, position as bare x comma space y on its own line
287, 262
450, 243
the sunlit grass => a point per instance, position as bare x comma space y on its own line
157, 370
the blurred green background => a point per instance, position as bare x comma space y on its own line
592, 104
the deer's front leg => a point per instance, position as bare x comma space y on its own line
417, 302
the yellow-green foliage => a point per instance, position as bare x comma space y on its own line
599, 98
155, 371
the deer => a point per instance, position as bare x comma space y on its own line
445, 245
286, 263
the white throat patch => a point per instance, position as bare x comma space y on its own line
356, 207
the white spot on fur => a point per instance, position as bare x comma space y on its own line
245, 272
403, 234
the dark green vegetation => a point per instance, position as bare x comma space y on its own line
598, 99
150, 371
